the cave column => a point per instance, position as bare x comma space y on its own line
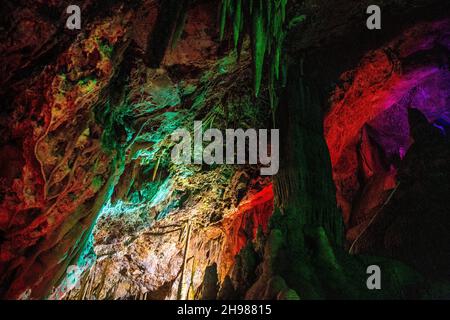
304, 188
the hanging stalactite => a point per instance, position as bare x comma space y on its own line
264, 21
265, 29
168, 29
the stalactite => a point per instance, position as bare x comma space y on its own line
168, 27
266, 29
259, 43
237, 22
181, 21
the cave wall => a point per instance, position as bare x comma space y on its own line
92, 208
90, 183
377, 91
